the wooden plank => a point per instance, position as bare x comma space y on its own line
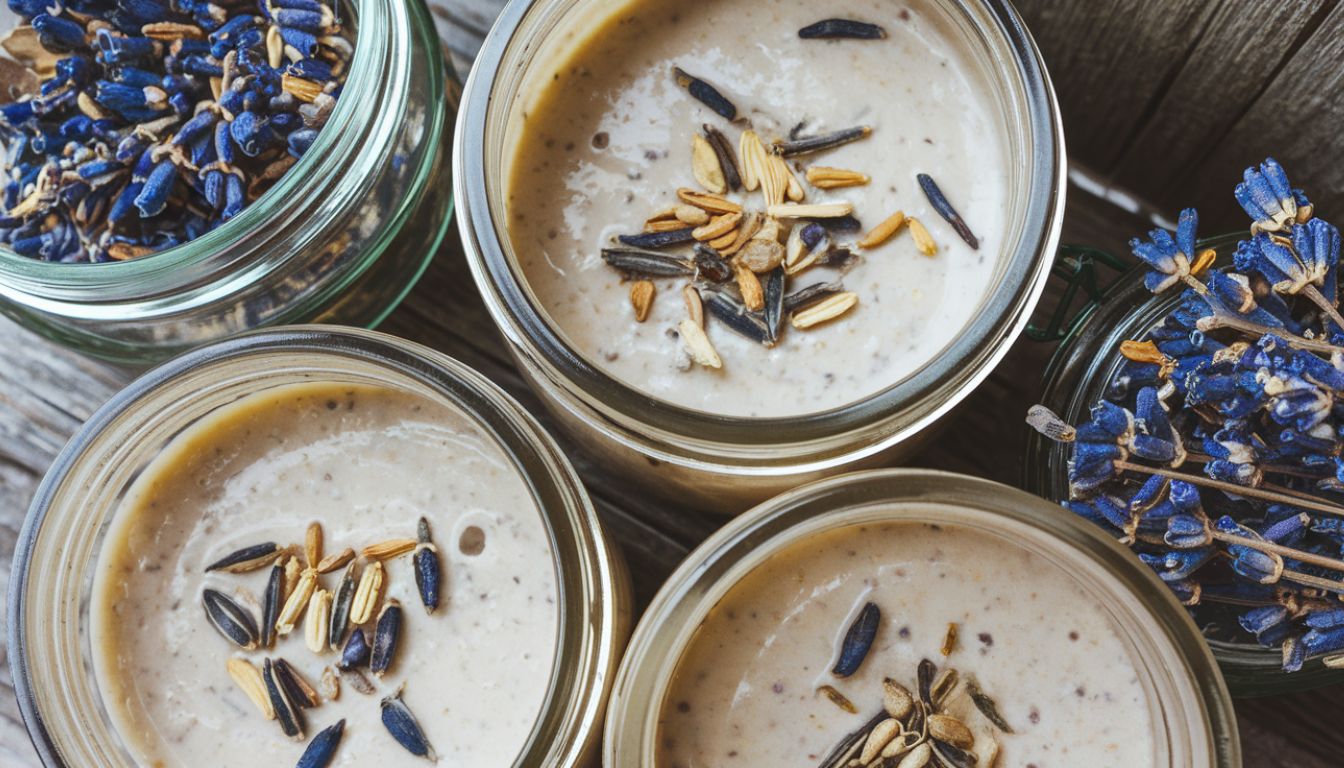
1297, 120
1224, 75
1111, 60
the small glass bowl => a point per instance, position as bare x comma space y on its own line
720, 462
1076, 379
341, 238
1191, 707
50, 655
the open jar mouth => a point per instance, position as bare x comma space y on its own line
1076, 379
1189, 701
363, 117
1001, 47
51, 654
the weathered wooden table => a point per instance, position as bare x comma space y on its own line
1215, 112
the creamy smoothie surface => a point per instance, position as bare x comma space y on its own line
607, 141
366, 463
746, 690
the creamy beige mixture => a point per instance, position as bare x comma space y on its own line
745, 691
366, 463
607, 141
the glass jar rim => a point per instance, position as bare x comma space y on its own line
954, 372
361, 87
591, 597
690, 591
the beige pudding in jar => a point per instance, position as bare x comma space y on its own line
810, 268
314, 470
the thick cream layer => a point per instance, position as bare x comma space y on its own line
366, 463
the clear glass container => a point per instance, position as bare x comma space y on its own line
1192, 713
1076, 379
49, 628
722, 462
341, 238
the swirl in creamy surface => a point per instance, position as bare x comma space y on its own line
745, 689
606, 141
366, 463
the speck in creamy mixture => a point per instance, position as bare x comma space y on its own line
745, 690
366, 463
606, 141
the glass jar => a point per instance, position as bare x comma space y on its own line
49, 627
341, 238
724, 462
1192, 713
1076, 379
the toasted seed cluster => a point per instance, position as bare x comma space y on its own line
745, 254
333, 620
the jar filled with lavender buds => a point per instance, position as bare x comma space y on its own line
179, 172
1194, 415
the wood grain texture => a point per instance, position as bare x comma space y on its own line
46, 392
1111, 61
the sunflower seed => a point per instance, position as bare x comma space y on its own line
664, 239
725, 241
949, 729
805, 297
899, 745
753, 295
753, 157
924, 676
689, 214
695, 309
858, 640
232, 620
356, 650
812, 144
710, 266
724, 151
923, 240
367, 593
884, 231
636, 261
655, 227
849, 746
247, 559
641, 299
917, 757
945, 209
386, 550
385, 637
705, 165
402, 725
705, 93
426, 564
986, 705
733, 314
322, 749
270, 604
296, 603
334, 561
825, 310
761, 255
708, 202
296, 688
878, 738
953, 756
292, 571
289, 716
825, 177
813, 211
842, 28
718, 226
842, 224
340, 608
248, 679
896, 699
331, 684
317, 626
312, 544
697, 344
838, 699
774, 303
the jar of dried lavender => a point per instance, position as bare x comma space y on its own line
218, 167
1197, 425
